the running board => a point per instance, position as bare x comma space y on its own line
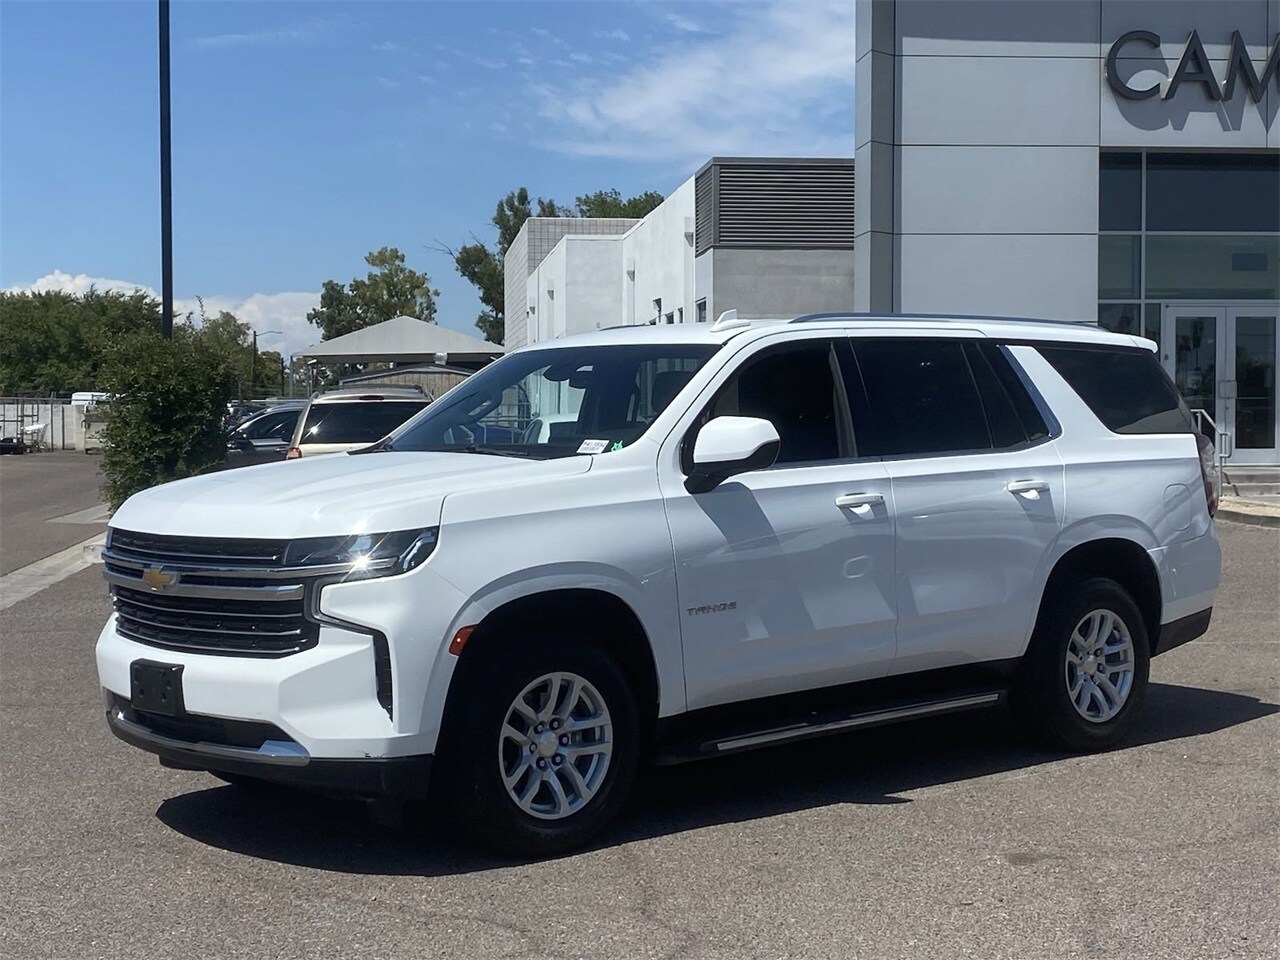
826, 724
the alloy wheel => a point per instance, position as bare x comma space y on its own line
1099, 666
555, 746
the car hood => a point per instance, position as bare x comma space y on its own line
330, 495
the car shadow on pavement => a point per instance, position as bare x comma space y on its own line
872, 767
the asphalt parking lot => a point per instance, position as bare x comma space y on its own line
48, 502
944, 839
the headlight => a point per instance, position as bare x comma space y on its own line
364, 554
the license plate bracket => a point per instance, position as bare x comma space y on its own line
156, 687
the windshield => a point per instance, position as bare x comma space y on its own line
357, 421
557, 401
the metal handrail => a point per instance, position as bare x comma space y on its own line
1221, 439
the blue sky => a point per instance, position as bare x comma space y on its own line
305, 134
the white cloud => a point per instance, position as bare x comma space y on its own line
78, 284
768, 84
678, 21
286, 312
620, 35
296, 34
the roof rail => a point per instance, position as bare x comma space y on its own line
729, 320
942, 318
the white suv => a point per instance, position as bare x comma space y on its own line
736, 535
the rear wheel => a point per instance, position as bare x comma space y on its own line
1084, 678
543, 751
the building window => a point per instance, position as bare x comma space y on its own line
1184, 226
679, 314
700, 315
669, 318
657, 311
1119, 266
1213, 192
1120, 191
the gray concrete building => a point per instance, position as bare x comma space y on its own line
767, 237
1108, 160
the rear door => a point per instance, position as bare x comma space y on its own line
977, 490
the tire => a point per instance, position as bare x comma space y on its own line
1072, 703
489, 738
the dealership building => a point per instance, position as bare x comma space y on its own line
1116, 161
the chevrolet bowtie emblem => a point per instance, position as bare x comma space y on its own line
157, 579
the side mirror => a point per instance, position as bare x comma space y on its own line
727, 446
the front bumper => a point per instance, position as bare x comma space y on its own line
264, 752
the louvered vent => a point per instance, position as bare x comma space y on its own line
802, 204
704, 207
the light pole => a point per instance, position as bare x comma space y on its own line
166, 189
253, 363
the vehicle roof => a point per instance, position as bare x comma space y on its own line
371, 393
1000, 328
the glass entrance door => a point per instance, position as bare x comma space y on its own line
1224, 361
1251, 407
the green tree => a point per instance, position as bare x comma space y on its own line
169, 397
483, 267
390, 289
609, 203
54, 342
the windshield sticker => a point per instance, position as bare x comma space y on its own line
593, 446
617, 445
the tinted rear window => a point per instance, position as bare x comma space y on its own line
360, 421
1126, 389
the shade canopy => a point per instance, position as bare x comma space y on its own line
404, 340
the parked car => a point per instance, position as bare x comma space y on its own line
750, 534
350, 419
264, 437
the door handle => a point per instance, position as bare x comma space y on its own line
1027, 486
856, 500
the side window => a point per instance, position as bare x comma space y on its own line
1124, 387
1012, 416
283, 429
797, 387
1029, 415
264, 428
922, 398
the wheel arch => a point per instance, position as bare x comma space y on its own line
599, 614
1125, 561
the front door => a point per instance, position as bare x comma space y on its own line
1224, 361
785, 575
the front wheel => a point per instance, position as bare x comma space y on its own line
1084, 677
544, 749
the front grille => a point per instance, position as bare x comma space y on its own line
213, 551
208, 594
207, 625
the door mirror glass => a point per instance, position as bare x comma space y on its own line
727, 446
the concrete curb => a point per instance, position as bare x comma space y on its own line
1247, 513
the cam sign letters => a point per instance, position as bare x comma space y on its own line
1194, 67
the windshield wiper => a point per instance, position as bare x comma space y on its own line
495, 451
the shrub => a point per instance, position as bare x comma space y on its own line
165, 418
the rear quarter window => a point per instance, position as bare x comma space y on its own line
1125, 388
